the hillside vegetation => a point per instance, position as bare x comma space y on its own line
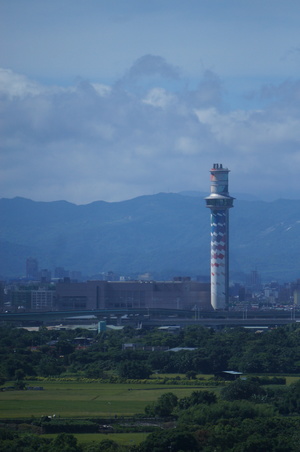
165, 234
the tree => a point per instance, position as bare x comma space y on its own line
164, 406
49, 366
191, 375
242, 390
197, 398
64, 347
65, 442
170, 440
19, 374
107, 445
95, 370
235, 411
13, 442
134, 370
20, 385
289, 400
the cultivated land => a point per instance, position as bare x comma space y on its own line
84, 400
89, 400
123, 439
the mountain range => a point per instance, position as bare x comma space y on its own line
164, 235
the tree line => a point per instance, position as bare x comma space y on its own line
52, 353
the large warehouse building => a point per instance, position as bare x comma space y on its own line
181, 293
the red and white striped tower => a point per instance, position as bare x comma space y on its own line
219, 202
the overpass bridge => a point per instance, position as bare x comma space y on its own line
156, 317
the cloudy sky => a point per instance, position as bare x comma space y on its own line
113, 99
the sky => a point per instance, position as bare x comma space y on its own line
113, 99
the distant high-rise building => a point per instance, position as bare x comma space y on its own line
60, 272
219, 202
42, 300
45, 275
32, 268
254, 280
75, 275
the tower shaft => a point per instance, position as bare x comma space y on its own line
219, 202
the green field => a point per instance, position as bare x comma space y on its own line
77, 400
292, 379
88, 400
123, 439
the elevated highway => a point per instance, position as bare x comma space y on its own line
157, 317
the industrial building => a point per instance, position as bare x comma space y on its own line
178, 294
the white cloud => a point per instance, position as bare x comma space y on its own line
187, 145
94, 141
101, 89
17, 85
159, 97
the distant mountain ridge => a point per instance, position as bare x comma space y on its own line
166, 234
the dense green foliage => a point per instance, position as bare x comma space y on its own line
164, 406
51, 353
249, 414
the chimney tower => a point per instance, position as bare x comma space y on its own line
219, 202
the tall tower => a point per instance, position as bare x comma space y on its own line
219, 202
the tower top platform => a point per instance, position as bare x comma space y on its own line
219, 197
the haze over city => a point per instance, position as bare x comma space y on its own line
112, 100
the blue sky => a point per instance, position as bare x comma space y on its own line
115, 99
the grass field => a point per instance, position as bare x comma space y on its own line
123, 439
76, 400
292, 379
84, 400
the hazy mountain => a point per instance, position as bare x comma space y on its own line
164, 234
240, 196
